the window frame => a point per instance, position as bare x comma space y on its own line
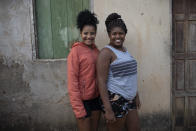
34, 32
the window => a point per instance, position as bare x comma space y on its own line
56, 26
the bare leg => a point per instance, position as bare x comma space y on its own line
91, 123
84, 124
132, 121
118, 125
95, 117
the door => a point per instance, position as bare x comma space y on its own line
184, 65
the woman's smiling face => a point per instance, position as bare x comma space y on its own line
117, 37
88, 35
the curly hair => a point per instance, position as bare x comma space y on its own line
85, 17
114, 20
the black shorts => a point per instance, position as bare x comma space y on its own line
92, 105
120, 105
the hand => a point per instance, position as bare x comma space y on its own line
137, 100
109, 116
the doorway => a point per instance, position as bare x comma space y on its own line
184, 65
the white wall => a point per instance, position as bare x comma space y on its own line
34, 92
149, 41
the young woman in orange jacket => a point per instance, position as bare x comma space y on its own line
82, 87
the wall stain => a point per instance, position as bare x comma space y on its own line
15, 97
155, 121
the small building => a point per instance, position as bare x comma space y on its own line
35, 38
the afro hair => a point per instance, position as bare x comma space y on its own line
85, 17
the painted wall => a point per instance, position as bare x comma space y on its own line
33, 93
149, 41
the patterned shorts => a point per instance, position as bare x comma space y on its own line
120, 105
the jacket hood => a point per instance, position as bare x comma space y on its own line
82, 44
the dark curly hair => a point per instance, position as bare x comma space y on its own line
85, 17
114, 20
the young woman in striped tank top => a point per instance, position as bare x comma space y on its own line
117, 79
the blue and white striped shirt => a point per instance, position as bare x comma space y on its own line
122, 77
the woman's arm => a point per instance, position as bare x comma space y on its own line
103, 63
73, 84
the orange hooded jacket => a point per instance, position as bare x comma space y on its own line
82, 76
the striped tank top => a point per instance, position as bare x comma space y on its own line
122, 77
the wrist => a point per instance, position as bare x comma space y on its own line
108, 109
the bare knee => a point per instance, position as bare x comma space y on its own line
84, 124
95, 117
118, 125
132, 121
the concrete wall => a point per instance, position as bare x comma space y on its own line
149, 41
33, 93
